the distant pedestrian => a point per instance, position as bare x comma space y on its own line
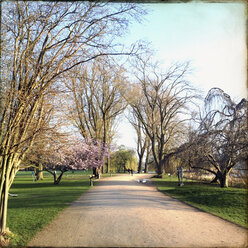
180, 176
132, 172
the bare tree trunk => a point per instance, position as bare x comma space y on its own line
7, 173
57, 181
160, 169
146, 167
39, 172
108, 164
99, 173
140, 165
148, 152
4, 194
95, 172
54, 177
224, 180
3, 207
54, 173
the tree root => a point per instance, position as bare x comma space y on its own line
5, 238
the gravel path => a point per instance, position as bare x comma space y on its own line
121, 212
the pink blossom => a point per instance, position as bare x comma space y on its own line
79, 155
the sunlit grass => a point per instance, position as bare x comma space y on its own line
227, 203
40, 202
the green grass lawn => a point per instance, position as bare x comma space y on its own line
39, 202
228, 203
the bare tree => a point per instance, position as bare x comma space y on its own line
43, 40
45, 147
220, 142
96, 99
165, 97
142, 140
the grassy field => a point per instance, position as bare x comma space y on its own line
228, 203
39, 202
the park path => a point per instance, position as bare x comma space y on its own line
121, 212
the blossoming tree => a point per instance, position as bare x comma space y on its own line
80, 155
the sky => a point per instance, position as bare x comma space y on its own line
212, 36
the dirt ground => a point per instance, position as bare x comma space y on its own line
121, 212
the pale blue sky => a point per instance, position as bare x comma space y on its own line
211, 35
